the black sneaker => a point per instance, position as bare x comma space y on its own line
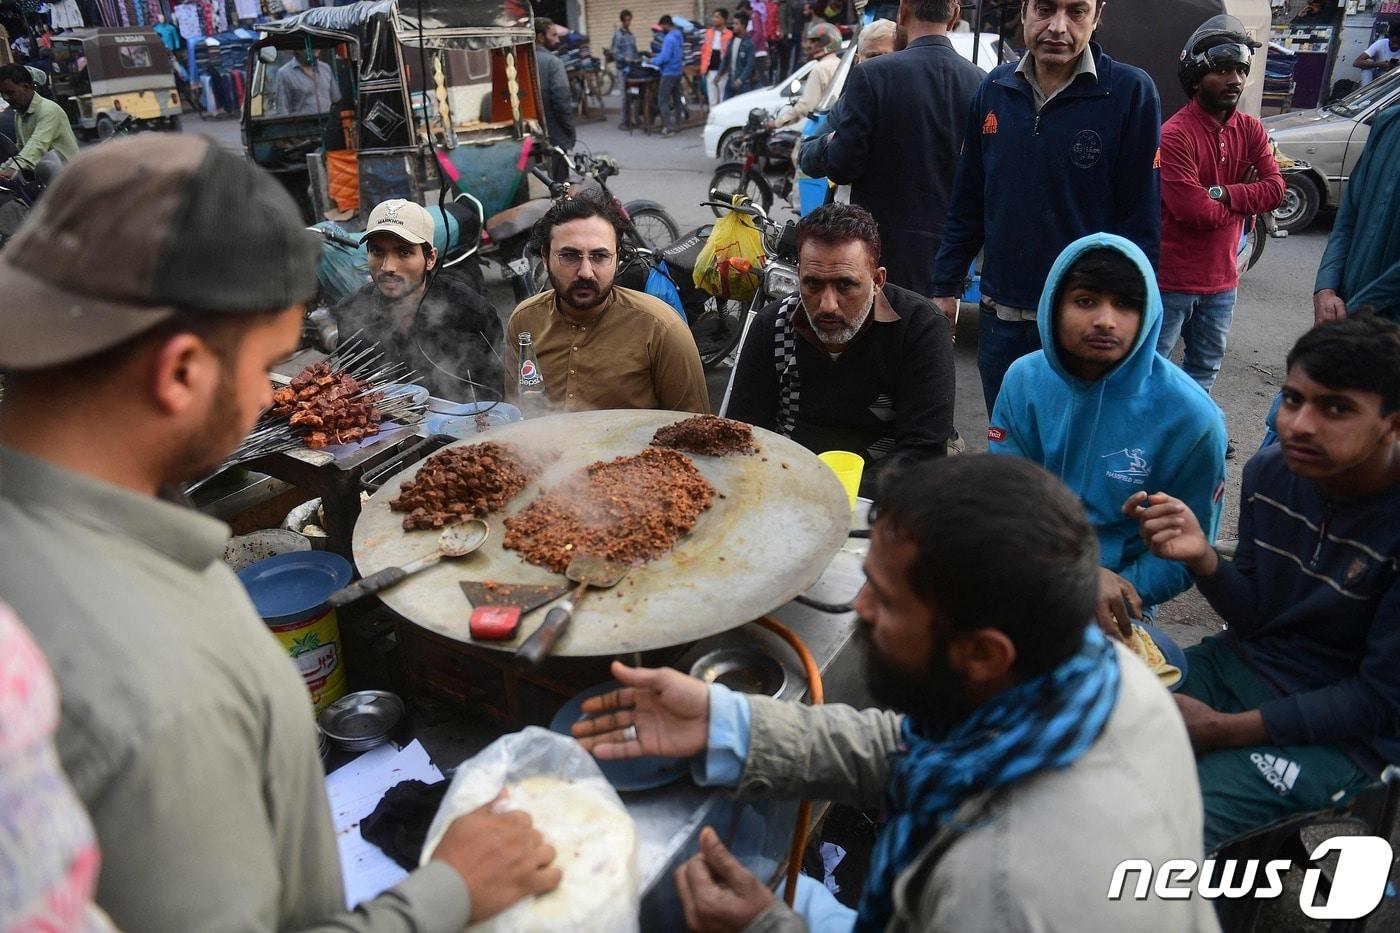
1230, 449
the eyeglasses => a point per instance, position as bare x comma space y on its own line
572, 257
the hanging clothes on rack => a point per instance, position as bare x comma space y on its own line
206, 18
187, 20
65, 14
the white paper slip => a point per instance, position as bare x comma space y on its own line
354, 791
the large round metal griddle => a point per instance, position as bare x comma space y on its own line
778, 518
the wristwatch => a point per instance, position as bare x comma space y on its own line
1215, 192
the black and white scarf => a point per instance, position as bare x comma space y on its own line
785, 360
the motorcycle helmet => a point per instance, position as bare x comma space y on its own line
828, 35
1218, 41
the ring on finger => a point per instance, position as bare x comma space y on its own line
629, 734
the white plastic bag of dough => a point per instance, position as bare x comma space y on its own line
577, 811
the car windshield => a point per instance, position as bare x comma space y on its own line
1367, 96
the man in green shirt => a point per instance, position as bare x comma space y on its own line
41, 125
136, 347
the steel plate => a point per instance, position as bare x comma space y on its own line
777, 520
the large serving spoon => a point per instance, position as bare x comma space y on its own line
455, 541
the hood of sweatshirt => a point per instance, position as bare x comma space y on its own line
1132, 372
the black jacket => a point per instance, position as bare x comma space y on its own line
454, 330
892, 388
895, 137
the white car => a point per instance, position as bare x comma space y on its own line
728, 119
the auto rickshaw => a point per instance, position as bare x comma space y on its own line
435, 101
114, 80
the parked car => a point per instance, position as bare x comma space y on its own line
726, 121
1330, 140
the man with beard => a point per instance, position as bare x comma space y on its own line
1020, 722
136, 346
850, 362
898, 150
1296, 703
1218, 171
434, 323
1059, 145
598, 345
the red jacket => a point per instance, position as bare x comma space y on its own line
1200, 235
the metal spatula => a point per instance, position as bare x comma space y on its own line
587, 571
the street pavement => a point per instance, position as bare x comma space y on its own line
1274, 308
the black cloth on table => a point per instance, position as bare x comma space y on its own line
399, 825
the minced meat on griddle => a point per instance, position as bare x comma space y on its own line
710, 435
463, 482
630, 510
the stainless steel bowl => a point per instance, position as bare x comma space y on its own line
360, 721
246, 550
742, 668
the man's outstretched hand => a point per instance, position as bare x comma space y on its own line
717, 893
669, 710
1171, 531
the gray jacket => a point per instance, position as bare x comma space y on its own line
1039, 855
558, 99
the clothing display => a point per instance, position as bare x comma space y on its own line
65, 15
186, 17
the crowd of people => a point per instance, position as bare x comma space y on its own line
1005, 594
755, 46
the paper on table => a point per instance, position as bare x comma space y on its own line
354, 791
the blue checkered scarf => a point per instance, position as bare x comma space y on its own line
1044, 723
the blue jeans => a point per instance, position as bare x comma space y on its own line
999, 344
1202, 322
668, 100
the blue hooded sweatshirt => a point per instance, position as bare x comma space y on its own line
1143, 426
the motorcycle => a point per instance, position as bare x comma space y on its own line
18, 194
1265, 226
765, 170
650, 224
719, 326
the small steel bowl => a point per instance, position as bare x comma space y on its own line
360, 721
742, 668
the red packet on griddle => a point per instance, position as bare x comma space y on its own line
495, 623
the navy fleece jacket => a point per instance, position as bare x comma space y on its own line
1030, 184
1312, 603
1143, 426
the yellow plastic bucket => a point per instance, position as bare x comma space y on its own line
290, 593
